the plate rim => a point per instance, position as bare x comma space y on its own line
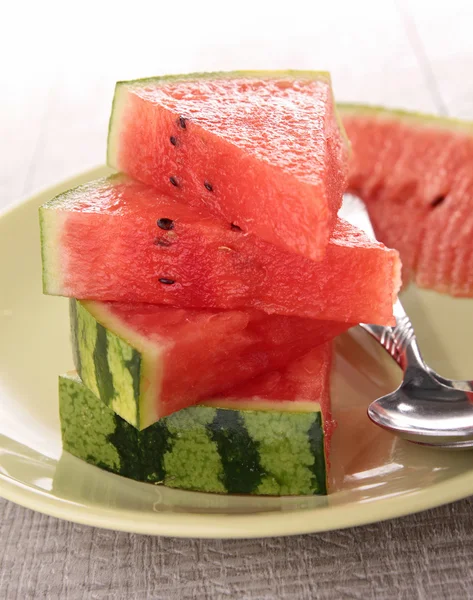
213, 525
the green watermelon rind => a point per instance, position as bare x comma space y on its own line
115, 362
250, 73
419, 118
50, 229
201, 448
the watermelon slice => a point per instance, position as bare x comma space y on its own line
147, 361
270, 437
262, 150
116, 239
415, 173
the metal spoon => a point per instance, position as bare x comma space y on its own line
427, 408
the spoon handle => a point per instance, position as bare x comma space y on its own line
401, 343
400, 340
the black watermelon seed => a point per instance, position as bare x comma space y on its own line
174, 181
235, 227
162, 242
436, 201
182, 122
166, 281
173, 140
165, 224
208, 186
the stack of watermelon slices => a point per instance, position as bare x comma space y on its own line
207, 279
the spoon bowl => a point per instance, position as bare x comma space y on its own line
425, 411
427, 408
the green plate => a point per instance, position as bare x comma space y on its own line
375, 476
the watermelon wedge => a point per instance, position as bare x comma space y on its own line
270, 437
119, 240
415, 174
147, 361
261, 150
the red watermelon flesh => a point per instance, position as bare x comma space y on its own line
262, 150
147, 361
300, 386
415, 174
119, 240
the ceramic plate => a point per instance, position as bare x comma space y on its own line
374, 475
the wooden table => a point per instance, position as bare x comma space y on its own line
59, 64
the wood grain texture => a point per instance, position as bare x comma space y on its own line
429, 555
56, 94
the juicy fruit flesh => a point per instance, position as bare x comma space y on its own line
209, 351
210, 104
263, 153
185, 355
119, 238
415, 174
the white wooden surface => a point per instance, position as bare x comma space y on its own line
59, 62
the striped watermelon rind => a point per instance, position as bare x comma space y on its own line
123, 368
113, 361
201, 448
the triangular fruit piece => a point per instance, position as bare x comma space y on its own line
148, 361
262, 150
415, 174
270, 437
119, 240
